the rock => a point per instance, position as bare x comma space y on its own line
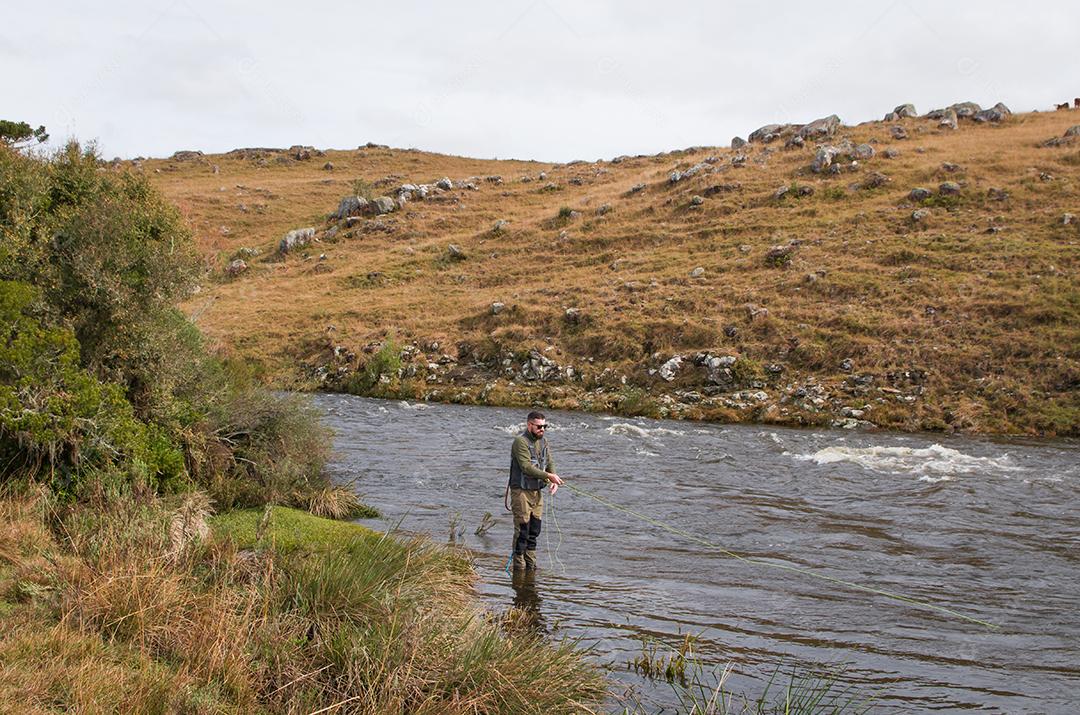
636, 188
846, 365
603, 209
781, 192
351, 206
779, 255
863, 151
948, 120
1067, 219
328, 166
875, 180
949, 188
215, 169
772, 131
297, 238
668, 370
696, 169
891, 153
920, 215
965, 109
739, 160
950, 167
572, 315
891, 117
756, 313
994, 114
738, 143
731, 331
823, 159
905, 111
995, 194
493, 179
236, 267
699, 271
454, 252
620, 159
898, 132
795, 142
920, 194
187, 155
500, 226
806, 190
697, 200
675, 176
383, 205
824, 127
444, 183
497, 308
1073, 131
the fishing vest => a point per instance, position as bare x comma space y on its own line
538, 457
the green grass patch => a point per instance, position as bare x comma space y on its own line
288, 529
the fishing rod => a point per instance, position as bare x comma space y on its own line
782, 567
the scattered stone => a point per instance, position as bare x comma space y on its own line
863, 151
731, 331
745, 248
949, 188
779, 256
875, 181
603, 209
576, 181
890, 153
1045, 176
215, 169
454, 252
572, 315
444, 183
824, 158
781, 192
950, 167
965, 109
948, 120
620, 159
1073, 131
738, 143
806, 190
898, 132
995, 194
697, 200
795, 142
500, 226
351, 206
675, 177
824, 127
994, 114
920, 194
296, 239
668, 370
920, 215
756, 313
905, 111
846, 365
236, 267
722, 188
700, 271
328, 166
383, 205
493, 179
738, 161
1067, 219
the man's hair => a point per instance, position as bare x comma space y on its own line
535, 416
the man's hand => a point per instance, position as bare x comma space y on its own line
555, 481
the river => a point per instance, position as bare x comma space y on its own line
987, 528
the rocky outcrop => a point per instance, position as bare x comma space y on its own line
297, 238
994, 114
819, 128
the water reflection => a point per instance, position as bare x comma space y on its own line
527, 601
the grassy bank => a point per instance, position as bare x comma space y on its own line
840, 305
132, 604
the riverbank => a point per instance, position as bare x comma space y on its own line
925, 281
136, 604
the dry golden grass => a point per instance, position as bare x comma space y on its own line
991, 318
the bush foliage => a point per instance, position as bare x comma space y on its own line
99, 371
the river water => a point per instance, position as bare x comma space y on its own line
990, 529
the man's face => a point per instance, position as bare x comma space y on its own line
537, 427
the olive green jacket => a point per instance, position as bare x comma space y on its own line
523, 459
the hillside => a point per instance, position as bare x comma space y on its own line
613, 286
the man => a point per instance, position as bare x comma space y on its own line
531, 469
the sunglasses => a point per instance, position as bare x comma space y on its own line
540, 426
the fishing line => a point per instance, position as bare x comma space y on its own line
782, 567
554, 555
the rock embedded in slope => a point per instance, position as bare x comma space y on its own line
863, 151
996, 113
898, 132
297, 238
824, 127
383, 205
905, 111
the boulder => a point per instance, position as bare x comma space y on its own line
875, 180
296, 238
700, 271
898, 132
824, 158
351, 206
965, 109
383, 205
603, 209
668, 370
675, 176
738, 143
794, 142
779, 255
920, 194
905, 110
891, 117
636, 188
454, 252
1073, 131
697, 200
497, 308
444, 183
948, 119
920, 215
890, 153
739, 160
863, 151
781, 192
824, 127
187, 155
236, 267
994, 114
949, 188
328, 166
1068, 219
500, 226
772, 131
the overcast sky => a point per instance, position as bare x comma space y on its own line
534, 79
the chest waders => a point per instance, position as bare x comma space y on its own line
527, 503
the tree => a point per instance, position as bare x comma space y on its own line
19, 134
